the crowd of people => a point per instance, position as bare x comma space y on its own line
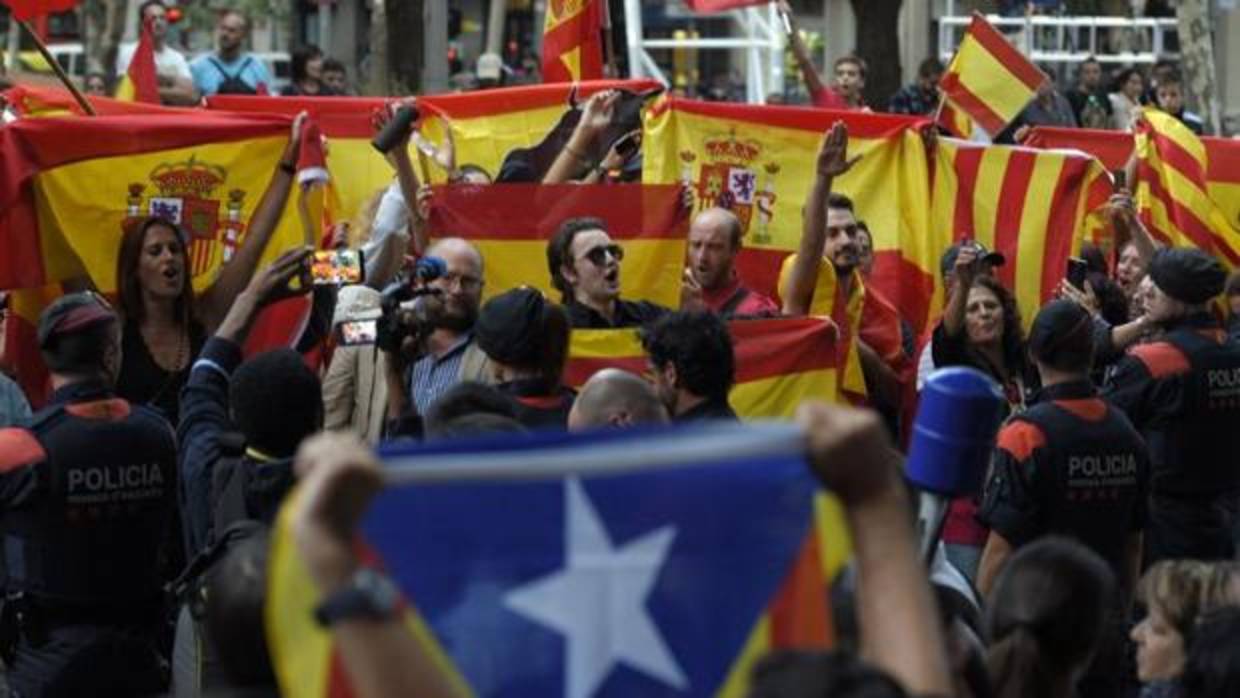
1107, 525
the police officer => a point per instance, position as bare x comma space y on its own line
86, 499
1070, 465
1183, 394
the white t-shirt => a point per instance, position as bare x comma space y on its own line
168, 62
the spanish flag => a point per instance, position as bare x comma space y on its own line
512, 223
1028, 204
1173, 192
484, 621
758, 161
39, 101
141, 82
72, 182
988, 79
486, 126
573, 40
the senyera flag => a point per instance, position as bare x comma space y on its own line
1028, 204
988, 79
526, 570
1172, 189
486, 126
572, 43
512, 223
71, 183
30, 9
1114, 149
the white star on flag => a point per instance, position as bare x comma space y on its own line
598, 601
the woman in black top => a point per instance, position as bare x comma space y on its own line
165, 326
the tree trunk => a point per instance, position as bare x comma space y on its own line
405, 29
376, 80
114, 29
878, 42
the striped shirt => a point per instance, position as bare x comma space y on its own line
432, 375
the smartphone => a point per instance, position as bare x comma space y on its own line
1121, 179
358, 332
337, 267
1077, 270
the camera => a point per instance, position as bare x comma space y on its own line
407, 307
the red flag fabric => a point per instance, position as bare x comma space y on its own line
141, 83
29, 9
572, 41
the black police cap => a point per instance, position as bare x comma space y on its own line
73, 313
1187, 274
509, 326
1061, 326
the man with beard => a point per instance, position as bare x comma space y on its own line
585, 266
823, 278
711, 281
451, 354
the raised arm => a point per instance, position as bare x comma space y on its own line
900, 629
574, 158
1123, 215
813, 82
833, 161
958, 296
237, 273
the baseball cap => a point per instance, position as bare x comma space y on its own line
73, 313
948, 261
1187, 274
509, 325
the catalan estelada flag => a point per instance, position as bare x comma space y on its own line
758, 161
988, 79
1028, 204
527, 571
141, 82
572, 47
1172, 190
511, 224
486, 126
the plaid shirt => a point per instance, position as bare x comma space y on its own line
911, 99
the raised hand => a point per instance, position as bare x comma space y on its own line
833, 159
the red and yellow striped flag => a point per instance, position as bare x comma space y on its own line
1028, 204
141, 82
988, 79
38, 101
1173, 193
573, 41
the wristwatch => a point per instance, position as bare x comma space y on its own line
369, 594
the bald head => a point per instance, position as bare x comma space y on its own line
714, 240
461, 286
615, 398
456, 247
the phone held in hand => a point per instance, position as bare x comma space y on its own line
337, 267
1077, 270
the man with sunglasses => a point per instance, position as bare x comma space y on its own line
585, 266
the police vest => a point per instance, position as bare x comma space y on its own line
1099, 472
1197, 447
94, 533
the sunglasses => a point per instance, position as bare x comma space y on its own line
598, 255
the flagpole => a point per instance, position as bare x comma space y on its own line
60, 72
938, 111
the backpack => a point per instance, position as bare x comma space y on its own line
233, 84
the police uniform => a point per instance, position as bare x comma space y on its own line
87, 494
1182, 393
1072, 465
86, 502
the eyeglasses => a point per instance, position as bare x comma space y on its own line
467, 282
598, 255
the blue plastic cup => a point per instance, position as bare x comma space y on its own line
960, 412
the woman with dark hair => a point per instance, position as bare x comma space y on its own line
981, 329
164, 325
306, 65
1046, 619
1127, 90
526, 337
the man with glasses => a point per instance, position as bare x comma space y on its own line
451, 355
585, 266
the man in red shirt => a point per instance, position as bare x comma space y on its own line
850, 70
714, 241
